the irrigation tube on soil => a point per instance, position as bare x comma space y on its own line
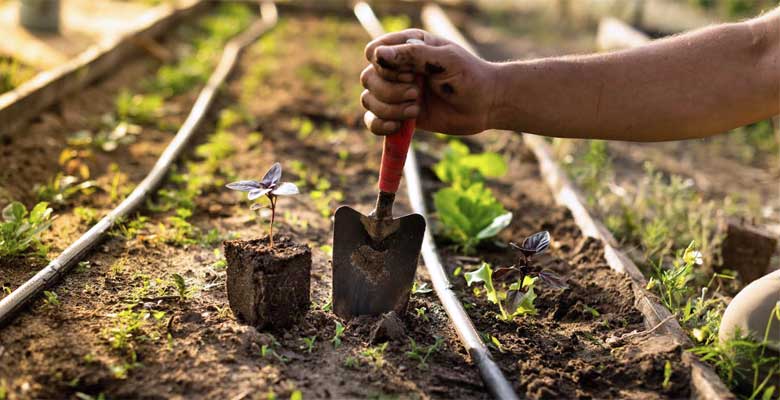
59, 266
491, 374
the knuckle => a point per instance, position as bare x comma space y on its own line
366, 75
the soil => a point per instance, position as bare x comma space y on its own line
192, 347
268, 286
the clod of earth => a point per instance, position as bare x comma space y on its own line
268, 286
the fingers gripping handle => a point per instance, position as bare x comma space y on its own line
394, 154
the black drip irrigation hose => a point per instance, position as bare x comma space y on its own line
491, 374
76, 251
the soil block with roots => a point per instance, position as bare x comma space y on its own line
268, 287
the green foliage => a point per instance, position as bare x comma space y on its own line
395, 23
375, 355
745, 362
461, 169
593, 170
62, 187
518, 299
309, 343
13, 74
470, 215
338, 333
421, 354
87, 215
50, 298
183, 290
138, 108
21, 231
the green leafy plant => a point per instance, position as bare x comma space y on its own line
183, 290
338, 333
138, 108
51, 299
309, 343
20, 231
518, 297
63, 187
743, 361
470, 215
375, 355
421, 354
461, 169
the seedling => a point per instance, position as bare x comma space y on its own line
51, 299
519, 297
20, 231
375, 355
421, 354
269, 186
309, 343
421, 288
182, 289
338, 334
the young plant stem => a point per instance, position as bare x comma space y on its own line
273, 217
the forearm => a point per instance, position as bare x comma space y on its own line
688, 86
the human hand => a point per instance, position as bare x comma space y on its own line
458, 91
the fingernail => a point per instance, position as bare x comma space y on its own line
411, 111
390, 125
411, 94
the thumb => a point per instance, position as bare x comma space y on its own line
414, 57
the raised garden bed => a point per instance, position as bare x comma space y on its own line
148, 316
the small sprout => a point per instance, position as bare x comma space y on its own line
269, 186
421, 354
309, 343
667, 375
338, 334
421, 313
51, 300
350, 362
421, 288
375, 355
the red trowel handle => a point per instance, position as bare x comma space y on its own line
394, 154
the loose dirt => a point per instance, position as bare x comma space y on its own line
299, 87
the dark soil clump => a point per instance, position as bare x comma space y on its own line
268, 286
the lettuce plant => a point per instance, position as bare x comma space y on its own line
461, 169
518, 297
270, 187
470, 215
20, 231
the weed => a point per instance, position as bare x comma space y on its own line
666, 384
375, 355
183, 290
271, 188
338, 333
21, 231
63, 187
138, 108
421, 313
350, 362
13, 74
87, 215
51, 299
421, 288
309, 343
421, 354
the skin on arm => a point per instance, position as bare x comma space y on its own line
688, 86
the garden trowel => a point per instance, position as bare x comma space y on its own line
375, 255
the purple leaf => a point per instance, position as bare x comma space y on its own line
286, 189
553, 280
244, 186
503, 273
257, 193
534, 244
273, 175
